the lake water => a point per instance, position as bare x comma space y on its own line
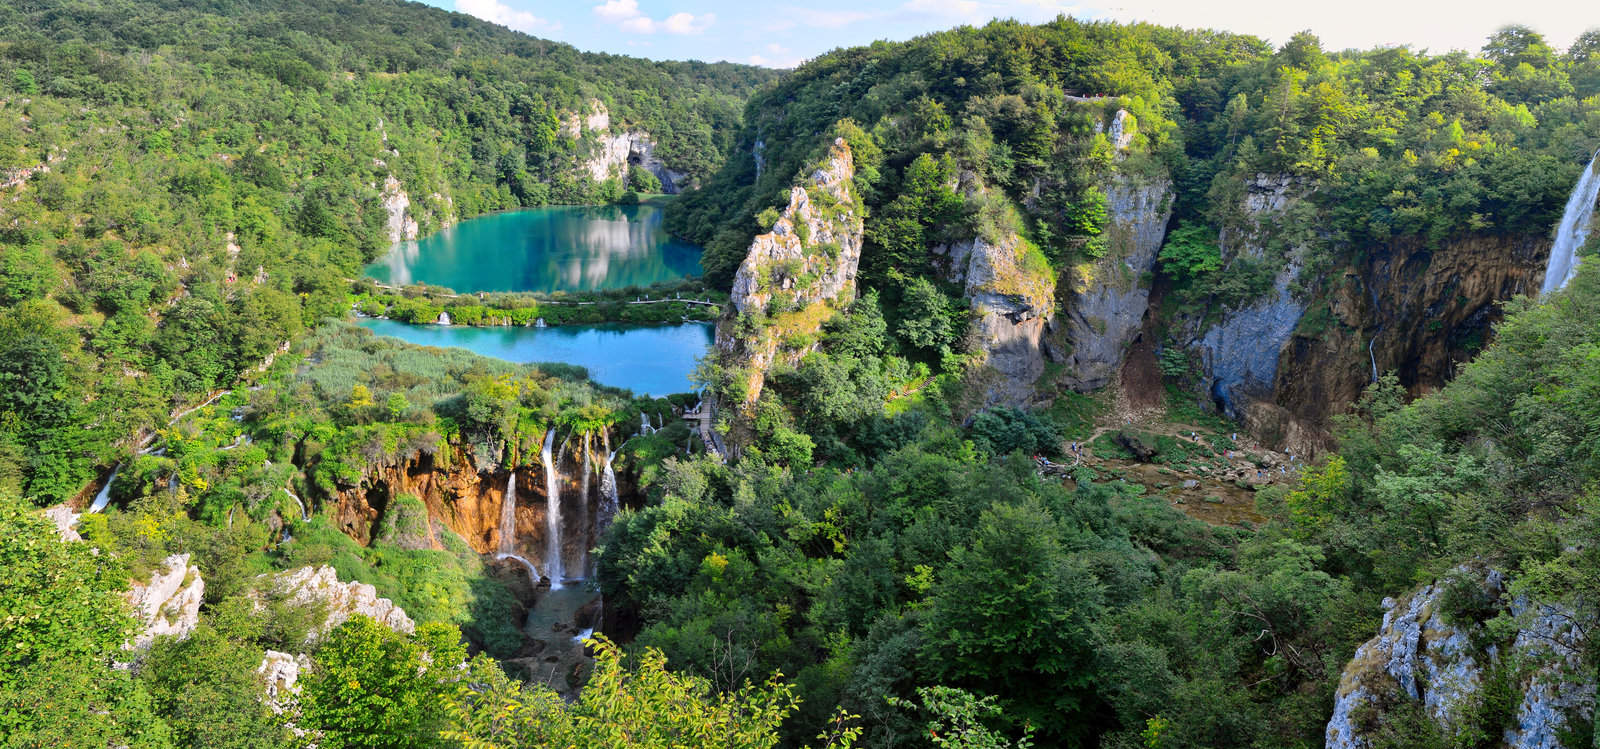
647, 359
566, 248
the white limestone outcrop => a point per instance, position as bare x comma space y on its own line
168, 605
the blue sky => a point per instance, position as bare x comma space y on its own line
783, 33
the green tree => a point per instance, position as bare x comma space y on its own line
62, 622
373, 688
641, 706
925, 316
1012, 614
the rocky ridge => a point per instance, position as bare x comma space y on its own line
1420, 657
321, 586
799, 273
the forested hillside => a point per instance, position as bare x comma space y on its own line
1081, 384
1318, 202
188, 185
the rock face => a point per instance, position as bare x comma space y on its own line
320, 585
400, 223
800, 273
1010, 291
168, 605
66, 521
1240, 353
281, 674
1418, 657
614, 152
1412, 309
1108, 298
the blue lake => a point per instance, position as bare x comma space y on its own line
563, 248
647, 359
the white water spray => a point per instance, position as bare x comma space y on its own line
303, 514
1373, 358
552, 515
1576, 223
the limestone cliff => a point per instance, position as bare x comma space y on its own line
1240, 352
1011, 293
1441, 664
1105, 299
796, 276
1289, 361
1414, 309
613, 152
341, 601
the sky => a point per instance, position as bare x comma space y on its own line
784, 34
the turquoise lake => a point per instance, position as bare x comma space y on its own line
564, 248
647, 359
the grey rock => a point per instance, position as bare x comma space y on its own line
310, 585
168, 605
1108, 297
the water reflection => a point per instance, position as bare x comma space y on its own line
577, 248
647, 359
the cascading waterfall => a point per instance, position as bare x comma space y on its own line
583, 506
303, 514
508, 516
103, 497
552, 515
1372, 357
1576, 222
608, 496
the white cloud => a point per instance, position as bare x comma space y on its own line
686, 23
494, 11
628, 17
948, 8
828, 19
639, 25
617, 10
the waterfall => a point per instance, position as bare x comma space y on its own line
644, 424
508, 517
552, 515
1574, 229
1373, 358
303, 514
583, 508
533, 572
608, 497
103, 498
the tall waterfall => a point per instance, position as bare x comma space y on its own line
103, 498
508, 516
1576, 222
552, 515
583, 507
608, 497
